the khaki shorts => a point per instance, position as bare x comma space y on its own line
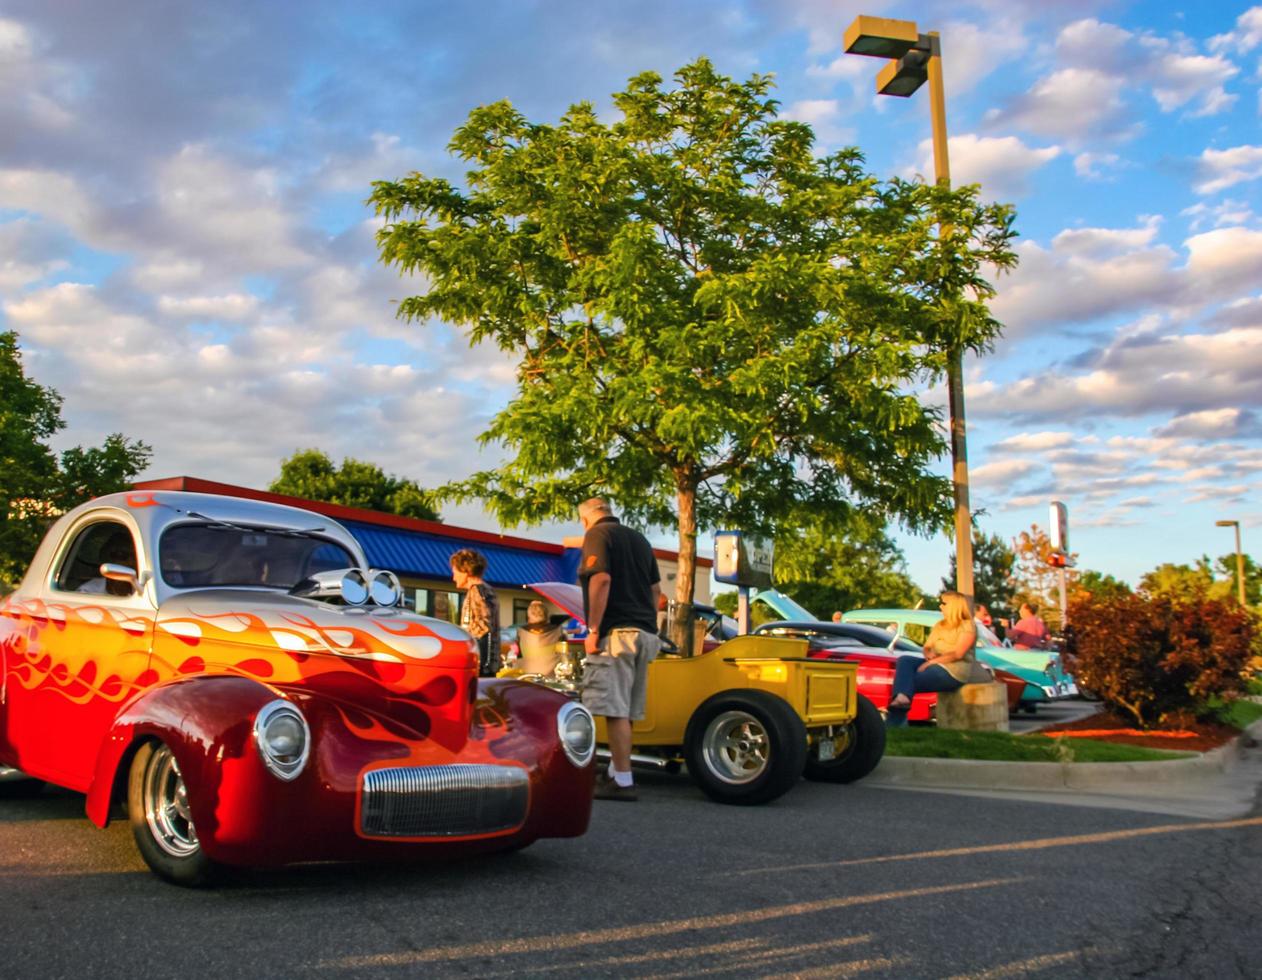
614, 680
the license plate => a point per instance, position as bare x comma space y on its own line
827, 749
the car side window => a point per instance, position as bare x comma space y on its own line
104, 542
916, 632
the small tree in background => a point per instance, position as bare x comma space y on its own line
1035, 580
851, 564
1101, 585
993, 583
310, 473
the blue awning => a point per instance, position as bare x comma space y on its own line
422, 555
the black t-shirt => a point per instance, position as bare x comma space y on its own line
628, 558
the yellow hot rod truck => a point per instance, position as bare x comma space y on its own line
749, 717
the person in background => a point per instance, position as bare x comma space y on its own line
621, 587
479, 613
1030, 631
537, 641
837, 616
949, 661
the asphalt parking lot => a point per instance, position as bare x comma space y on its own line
828, 881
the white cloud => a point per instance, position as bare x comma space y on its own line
1000, 473
1220, 169
1144, 375
232, 307
233, 213
1068, 104
1091, 273
823, 116
1246, 36
1002, 165
1086, 274
1035, 442
238, 406
1092, 166
1225, 212
1215, 423
1224, 261
1098, 66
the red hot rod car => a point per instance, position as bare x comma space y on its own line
232, 671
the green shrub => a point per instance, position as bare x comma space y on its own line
1151, 657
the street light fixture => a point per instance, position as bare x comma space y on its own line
914, 59
1239, 558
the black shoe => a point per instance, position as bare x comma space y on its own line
607, 789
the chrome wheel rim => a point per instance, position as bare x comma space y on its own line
736, 747
166, 806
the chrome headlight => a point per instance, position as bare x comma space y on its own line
283, 738
577, 729
355, 587
385, 588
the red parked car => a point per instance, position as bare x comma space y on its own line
232, 671
876, 652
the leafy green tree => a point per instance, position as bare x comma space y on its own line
993, 583
1225, 567
715, 325
1179, 583
35, 485
310, 473
856, 565
1101, 586
1204, 579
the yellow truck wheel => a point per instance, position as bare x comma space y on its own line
862, 754
745, 747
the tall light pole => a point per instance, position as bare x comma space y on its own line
915, 58
1239, 558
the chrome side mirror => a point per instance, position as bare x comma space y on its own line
120, 573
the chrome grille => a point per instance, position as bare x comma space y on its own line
443, 801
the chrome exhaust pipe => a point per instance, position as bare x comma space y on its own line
654, 761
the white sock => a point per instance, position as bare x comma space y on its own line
621, 778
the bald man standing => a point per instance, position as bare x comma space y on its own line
621, 585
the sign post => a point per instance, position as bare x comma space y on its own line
1058, 522
746, 562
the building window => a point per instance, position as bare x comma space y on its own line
519, 610
439, 603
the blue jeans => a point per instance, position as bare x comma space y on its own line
909, 679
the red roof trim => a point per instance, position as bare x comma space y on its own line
339, 512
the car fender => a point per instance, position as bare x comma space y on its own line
205, 720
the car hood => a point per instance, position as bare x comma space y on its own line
563, 595
281, 622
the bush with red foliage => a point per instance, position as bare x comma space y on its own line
1152, 657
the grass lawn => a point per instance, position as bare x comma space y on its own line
1240, 714
935, 743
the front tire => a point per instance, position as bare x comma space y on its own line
862, 754
745, 747
161, 822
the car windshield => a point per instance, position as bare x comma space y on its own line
986, 636
193, 556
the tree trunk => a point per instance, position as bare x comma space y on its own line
686, 571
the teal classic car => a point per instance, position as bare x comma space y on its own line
1044, 676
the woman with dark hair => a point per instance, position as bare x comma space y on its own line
479, 613
949, 660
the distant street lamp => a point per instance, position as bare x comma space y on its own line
1239, 558
915, 58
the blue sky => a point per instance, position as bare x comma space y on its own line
185, 253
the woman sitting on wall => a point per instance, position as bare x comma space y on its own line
949, 661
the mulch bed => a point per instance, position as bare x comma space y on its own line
1192, 736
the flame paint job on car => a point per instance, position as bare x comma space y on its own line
84, 677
